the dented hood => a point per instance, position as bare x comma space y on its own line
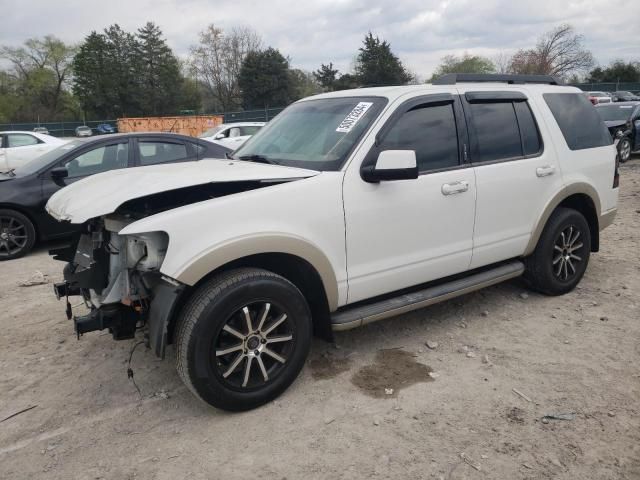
103, 193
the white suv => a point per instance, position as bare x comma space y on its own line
349, 207
232, 135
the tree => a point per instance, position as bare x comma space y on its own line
302, 84
464, 64
41, 70
326, 76
559, 52
159, 72
377, 65
93, 84
264, 79
217, 60
617, 71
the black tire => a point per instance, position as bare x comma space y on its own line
548, 270
624, 149
17, 235
213, 318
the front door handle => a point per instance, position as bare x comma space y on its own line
455, 187
545, 171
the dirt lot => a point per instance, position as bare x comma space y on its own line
454, 412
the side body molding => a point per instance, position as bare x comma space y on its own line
558, 198
238, 248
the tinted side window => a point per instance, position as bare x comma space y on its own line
99, 160
431, 132
578, 120
21, 140
496, 129
531, 143
161, 152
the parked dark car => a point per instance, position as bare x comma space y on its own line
25, 190
105, 128
623, 121
624, 96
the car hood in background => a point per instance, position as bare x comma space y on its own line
615, 123
103, 193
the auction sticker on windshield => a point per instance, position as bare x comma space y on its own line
356, 114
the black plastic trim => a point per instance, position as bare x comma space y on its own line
454, 78
502, 96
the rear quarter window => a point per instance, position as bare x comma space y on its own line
578, 120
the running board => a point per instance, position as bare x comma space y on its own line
358, 316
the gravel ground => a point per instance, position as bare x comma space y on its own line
380, 402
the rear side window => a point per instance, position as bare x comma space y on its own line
531, 144
496, 129
21, 140
161, 152
578, 120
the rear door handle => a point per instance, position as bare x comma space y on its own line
545, 171
455, 187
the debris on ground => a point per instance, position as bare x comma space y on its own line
38, 278
559, 416
328, 421
469, 461
485, 360
376, 421
485, 313
524, 295
471, 355
611, 414
18, 413
388, 391
520, 394
431, 345
516, 415
434, 374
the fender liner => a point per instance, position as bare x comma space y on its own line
163, 307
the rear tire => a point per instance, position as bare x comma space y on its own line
17, 235
242, 338
562, 254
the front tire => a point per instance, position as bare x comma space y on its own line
562, 254
624, 149
242, 338
17, 235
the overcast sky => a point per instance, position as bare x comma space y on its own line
312, 32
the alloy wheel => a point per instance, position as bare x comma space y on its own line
625, 150
253, 346
567, 253
13, 236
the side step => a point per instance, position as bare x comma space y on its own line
358, 316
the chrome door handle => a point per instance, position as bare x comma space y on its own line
545, 171
455, 187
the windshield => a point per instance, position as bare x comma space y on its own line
46, 159
615, 112
211, 132
314, 134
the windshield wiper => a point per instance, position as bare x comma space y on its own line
10, 172
258, 159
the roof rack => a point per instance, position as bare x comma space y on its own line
453, 78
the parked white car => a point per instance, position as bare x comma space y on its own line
83, 131
599, 97
232, 135
348, 208
19, 147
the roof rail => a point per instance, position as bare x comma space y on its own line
453, 78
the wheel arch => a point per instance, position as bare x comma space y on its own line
305, 266
581, 197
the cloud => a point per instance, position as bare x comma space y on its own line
311, 32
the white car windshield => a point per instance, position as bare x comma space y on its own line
211, 132
314, 134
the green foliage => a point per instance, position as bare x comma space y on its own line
326, 76
159, 73
264, 79
464, 64
618, 71
302, 84
35, 87
377, 65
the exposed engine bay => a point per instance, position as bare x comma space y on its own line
115, 274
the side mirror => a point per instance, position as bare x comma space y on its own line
220, 136
391, 165
59, 172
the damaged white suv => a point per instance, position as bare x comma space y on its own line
349, 207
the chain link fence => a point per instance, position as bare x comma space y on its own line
68, 129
